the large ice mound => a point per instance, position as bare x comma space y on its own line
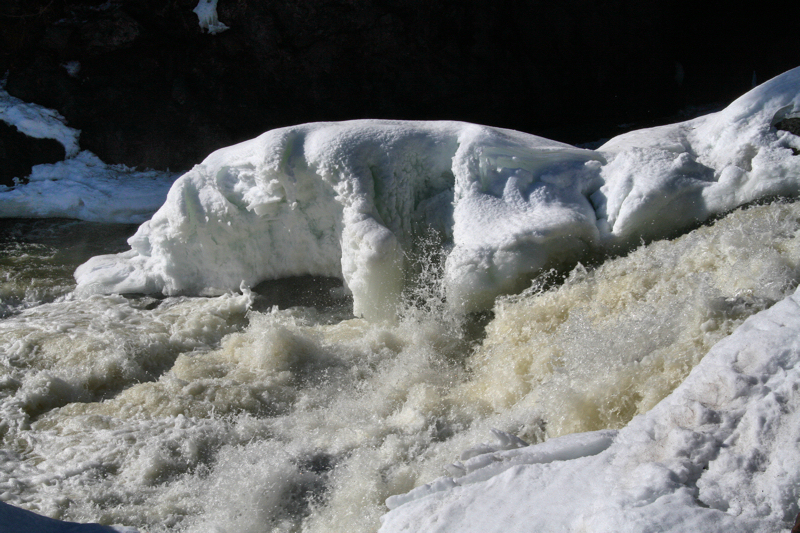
355, 199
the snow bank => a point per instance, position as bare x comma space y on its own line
15, 520
666, 178
719, 454
355, 199
86, 188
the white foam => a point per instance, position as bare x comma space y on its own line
81, 349
145, 413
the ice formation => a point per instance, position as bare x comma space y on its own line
668, 177
86, 188
206, 11
356, 199
200, 414
349, 200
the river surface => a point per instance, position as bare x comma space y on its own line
275, 410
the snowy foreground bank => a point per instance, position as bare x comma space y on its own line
355, 200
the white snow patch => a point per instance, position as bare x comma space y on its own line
39, 122
719, 454
206, 11
73, 68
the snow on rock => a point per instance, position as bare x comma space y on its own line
666, 178
719, 454
82, 186
350, 199
206, 11
354, 199
36, 121
86, 188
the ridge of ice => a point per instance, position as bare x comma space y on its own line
352, 199
719, 454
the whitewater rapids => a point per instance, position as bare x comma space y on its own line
654, 388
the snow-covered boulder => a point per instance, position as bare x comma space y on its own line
665, 178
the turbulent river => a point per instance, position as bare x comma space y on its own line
275, 410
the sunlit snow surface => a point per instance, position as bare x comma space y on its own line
223, 413
355, 199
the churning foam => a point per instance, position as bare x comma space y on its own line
194, 414
38, 257
610, 343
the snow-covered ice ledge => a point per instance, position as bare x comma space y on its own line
720, 454
353, 199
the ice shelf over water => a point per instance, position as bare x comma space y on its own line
356, 199
86, 188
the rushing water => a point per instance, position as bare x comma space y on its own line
260, 412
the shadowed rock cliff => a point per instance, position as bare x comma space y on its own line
148, 87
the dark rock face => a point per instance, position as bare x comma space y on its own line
18, 153
148, 87
792, 125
